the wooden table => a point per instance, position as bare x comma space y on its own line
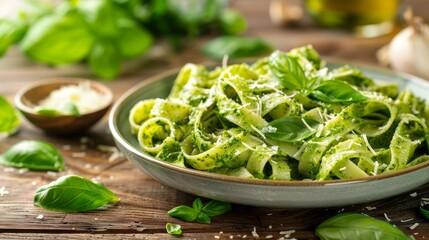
142, 212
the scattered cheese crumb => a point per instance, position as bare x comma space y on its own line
254, 233
269, 236
220, 232
3, 191
88, 165
9, 170
416, 233
369, 208
387, 218
414, 194
216, 236
287, 233
231, 237
269, 214
114, 151
270, 227
23, 170
412, 227
40, 217
407, 220
244, 236
95, 219
34, 183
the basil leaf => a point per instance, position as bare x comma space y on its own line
105, 59
102, 16
203, 218
11, 31
134, 40
214, 208
232, 22
236, 47
73, 194
9, 120
58, 39
183, 212
197, 204
291, 128
334, 91
287, 71
34, 155
173, 229
68, 108
358, 227
424, 211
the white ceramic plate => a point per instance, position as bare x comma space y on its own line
256, 192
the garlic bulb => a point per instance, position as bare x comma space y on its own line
409, 49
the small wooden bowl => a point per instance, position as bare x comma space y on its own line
27, 98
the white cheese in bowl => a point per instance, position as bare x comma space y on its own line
85, 98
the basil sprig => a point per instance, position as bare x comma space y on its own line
291, 128
289, 73
73, 194
200, 212
9, 120
358, 227
34, 155
173, 229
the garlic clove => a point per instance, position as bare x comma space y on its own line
409, 49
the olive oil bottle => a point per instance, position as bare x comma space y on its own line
352, 13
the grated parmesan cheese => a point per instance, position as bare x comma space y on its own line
254, 233
82, 95
40, 217
412, 227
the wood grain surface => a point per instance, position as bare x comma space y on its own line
142, 212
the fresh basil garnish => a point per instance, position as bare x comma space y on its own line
173, 229
334, 91
34, 155
236, 47
287, 71
424, 210
9, 120
291, 128
358, 227
73, 194
68, 109
200, 212
105, 59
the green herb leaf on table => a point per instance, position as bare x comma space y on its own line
424, 210
358, 227
288, 72
9, 120
57, 39
200, 212
34, 155
102, 16
334, 91
236, 47
173, 229
73, 194
291, 128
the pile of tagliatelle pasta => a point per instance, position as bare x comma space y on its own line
286, 117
